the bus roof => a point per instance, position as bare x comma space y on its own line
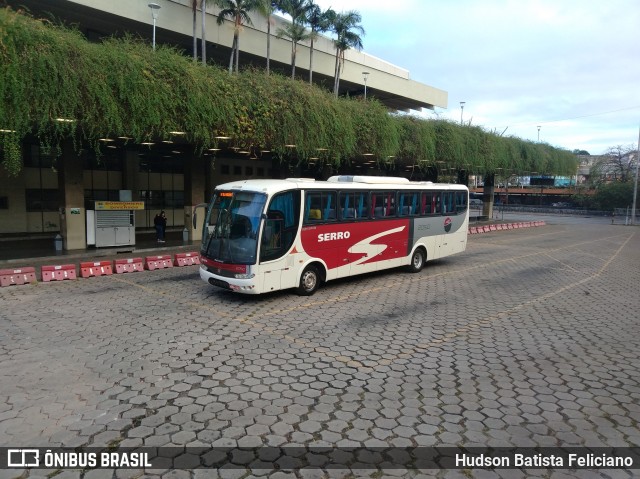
343, 182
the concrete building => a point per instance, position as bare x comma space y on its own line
52, 196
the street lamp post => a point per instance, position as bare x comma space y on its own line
539, 132
365, 75
635, 183
154, 14
461, 110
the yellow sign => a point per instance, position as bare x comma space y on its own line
119, 205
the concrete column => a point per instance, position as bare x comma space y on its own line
130, 173
195, 179
487, 195
463, 177
72, 211
212, 176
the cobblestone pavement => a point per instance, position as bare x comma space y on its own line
529, 338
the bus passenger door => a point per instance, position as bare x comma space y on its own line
278, 273
270, 248
278, 235
445, 239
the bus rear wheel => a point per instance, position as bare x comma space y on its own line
417, 261
309, 281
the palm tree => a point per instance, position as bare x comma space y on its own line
194, 7
268, 9
238, 12
348, 31
319, 22
295, 31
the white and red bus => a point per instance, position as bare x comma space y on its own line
266, 235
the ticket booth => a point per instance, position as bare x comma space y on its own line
113, 223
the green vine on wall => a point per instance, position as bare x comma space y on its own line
55, 84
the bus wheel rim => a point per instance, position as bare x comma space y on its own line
309, 280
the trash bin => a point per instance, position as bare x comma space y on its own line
57, 242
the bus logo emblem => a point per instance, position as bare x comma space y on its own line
447, 224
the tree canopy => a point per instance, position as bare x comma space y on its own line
617, 164
55, 84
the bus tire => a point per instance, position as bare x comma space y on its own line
309, 281
417, 261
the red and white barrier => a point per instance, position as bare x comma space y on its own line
504, 226
59, 272
186, 259
12, 277
99, 268
158, 262
129, 265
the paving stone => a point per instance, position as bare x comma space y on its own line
310, 426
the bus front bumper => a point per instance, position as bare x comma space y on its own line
247, 286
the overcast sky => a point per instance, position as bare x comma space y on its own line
570, 66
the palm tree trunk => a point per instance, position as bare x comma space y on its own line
268, 41
293, 60
203, 7
340, 65
194, 6
237, 50
311, 61
335, 76
233, 50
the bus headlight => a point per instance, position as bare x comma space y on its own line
244, 276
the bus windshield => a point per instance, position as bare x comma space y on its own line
231, 228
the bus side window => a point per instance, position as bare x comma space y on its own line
348, 206
272, 233
461, 201
319, 206
408, 204
377, 205
383, 204
431, 203
361, 204
312, 207
447, 205
328, 205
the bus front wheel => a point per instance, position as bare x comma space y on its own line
417, 261
309, 281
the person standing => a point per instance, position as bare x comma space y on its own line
160, 223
